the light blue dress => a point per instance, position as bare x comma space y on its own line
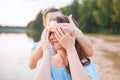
62, 74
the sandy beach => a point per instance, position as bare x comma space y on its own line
106, 56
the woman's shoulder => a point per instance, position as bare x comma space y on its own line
92, 70
60, 74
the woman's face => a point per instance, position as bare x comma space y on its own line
54, 42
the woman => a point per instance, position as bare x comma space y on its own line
70, 61
37, 52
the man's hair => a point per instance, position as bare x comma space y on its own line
52, 9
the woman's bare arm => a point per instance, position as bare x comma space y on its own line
76, 68
68, 42
44, 72
44, 68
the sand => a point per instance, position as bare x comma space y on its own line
105, 48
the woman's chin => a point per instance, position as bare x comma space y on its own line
57, 48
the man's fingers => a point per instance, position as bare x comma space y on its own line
57, 37
47, 35
73, 33
57, 33
70, 18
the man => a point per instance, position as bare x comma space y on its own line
47, 16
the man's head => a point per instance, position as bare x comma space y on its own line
49, 14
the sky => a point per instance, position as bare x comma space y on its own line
21, 12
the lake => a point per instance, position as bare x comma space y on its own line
14, 52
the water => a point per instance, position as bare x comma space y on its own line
14, 52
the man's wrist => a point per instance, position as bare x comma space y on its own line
78, 34
71, 49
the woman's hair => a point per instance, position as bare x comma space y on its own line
52, 9
82, 57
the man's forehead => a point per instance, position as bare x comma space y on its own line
53, 14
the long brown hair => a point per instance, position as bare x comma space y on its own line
82, 57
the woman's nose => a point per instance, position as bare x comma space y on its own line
52, 36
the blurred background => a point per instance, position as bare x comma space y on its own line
21, 26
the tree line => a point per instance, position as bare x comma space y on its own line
93, 16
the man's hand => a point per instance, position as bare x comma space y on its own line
64, 38
69, 27
44, 40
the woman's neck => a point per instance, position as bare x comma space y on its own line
62, 53
60, 59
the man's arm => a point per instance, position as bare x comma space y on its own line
35, 56
37, 53
85, 43
81, 38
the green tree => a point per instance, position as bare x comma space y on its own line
116, 15
74, 9
87, 21
66, 10
35, 27
108, 14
